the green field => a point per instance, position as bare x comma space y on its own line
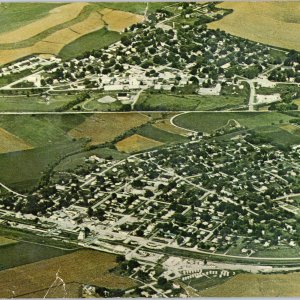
33, 103
174, 102
15, 15
22, 170
134, 7
73, 161
92, 41
5, 80
159, 135
39, 130
266, 124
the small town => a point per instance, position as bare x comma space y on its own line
177, 198
162, 55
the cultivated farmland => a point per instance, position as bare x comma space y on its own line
136, 143
84, 266
257, 285
101, 128
56, 16
10, 142
273, 23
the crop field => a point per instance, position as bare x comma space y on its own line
22, 170
6, 241
118, 20
102, 128
38, 277
56, 16
273, 23
157, 134
62, 26
136, 143
169, 102
291, 128
95, 40
11, 143
12, 19
257, 285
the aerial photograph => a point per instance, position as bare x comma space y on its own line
149, 149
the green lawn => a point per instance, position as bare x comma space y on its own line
92, 41
174, 102
96, 106
33, 103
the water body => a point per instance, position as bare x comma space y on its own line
21, 253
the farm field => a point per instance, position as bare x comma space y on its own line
57, 15
273, 23
11, 143
267, 124
64, 25
92, 269
169, 102
15, 253
6, 241
160, 135
11, 19
102, 128
136, 143
22, 170
95, 40
257, 285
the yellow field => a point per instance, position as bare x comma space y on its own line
291, 128
136, 143
118, 20
297, 101
102, 128
84, 266
253, 285
167, 126
52, 44
58, 15
273, 23
6, 241
11, 143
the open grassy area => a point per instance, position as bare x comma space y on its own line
39, 130
84, 266
75, 160
208, 122
92, 41
273, 23
268, 124
22, 170
257, 285
169, 102
33, 103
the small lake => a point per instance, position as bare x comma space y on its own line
21, 253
